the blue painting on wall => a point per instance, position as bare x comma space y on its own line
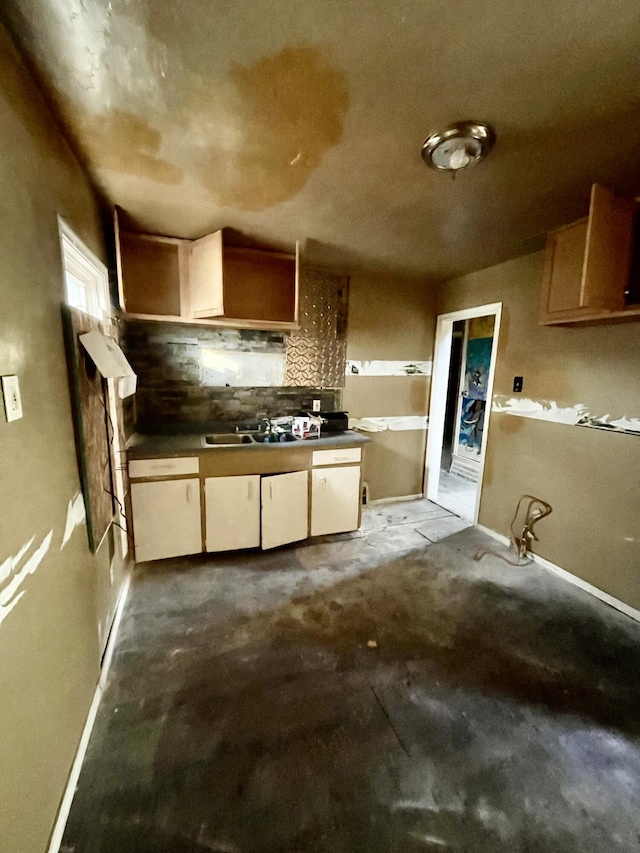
474, 396
477, 366
471, 425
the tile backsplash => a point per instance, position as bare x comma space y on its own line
171, 393
175, 390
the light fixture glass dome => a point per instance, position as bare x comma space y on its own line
458, 146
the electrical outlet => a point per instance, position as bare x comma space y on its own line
11, 396
517, 384
316, 405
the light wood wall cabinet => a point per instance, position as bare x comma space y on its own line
205, 281
587, 264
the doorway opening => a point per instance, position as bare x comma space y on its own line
460, 407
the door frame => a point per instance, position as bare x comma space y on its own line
438, 395
461, 376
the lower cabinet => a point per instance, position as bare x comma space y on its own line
232, 512
335, 500
285, 508
240, 511
166, 518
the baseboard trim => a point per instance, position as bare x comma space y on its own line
396, 500
72, 782
504, 540
571, 578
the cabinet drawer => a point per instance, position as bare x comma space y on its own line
163, 467
338, 456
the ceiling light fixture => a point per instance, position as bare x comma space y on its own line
458, 146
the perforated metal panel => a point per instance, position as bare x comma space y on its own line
316, 353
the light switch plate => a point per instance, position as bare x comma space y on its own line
11, 396
316, 405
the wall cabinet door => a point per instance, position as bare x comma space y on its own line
587, 263
335, 500
564, 263
205, 276
285, 508
232, 513
166, 518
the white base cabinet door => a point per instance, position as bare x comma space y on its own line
335, 500
232, 513
166, 518
285, 508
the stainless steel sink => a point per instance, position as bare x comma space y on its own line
222, 439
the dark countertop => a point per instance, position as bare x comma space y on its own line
147, 446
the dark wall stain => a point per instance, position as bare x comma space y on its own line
508, 423
123, 142
252, 140
288, 111
21, 99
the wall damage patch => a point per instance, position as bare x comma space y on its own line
76, 515
395, 424
389, 368
10, 594
548, 410
543, 410
631, 426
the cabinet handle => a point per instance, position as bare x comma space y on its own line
270, 491
342, 458
249, 490
188, 492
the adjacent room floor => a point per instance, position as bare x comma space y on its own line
457, 494
378, 692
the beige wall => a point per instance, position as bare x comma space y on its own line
590, 477
390, 319
49, 651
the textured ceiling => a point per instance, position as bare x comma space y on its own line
303, 119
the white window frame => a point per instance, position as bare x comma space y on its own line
79, 261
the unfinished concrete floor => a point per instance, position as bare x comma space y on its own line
499, 713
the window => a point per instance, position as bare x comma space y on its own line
86, 279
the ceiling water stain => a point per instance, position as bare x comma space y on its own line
283, 113
120, 141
